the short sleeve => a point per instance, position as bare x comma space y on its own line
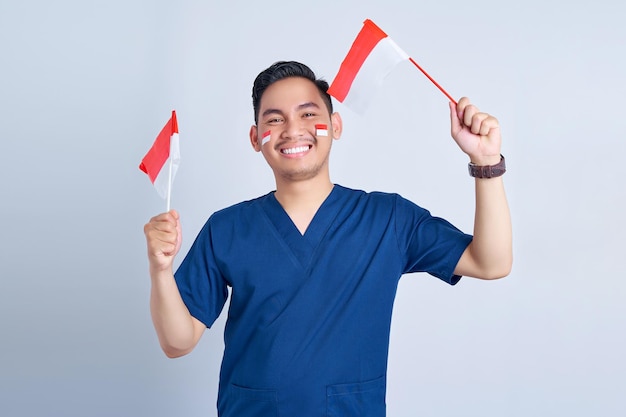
200, 282
427, 243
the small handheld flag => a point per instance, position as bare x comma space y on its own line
371, 58
164, 150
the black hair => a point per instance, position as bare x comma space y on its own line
285, 69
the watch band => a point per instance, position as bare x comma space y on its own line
487, 171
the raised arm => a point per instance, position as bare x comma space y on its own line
177, 330
490, 254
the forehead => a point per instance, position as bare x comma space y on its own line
290, 92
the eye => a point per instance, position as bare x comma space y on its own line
309, 115
274, 120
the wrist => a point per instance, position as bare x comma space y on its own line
161, 273
485, 160
487, 171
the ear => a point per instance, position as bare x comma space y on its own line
337, 125
254, 138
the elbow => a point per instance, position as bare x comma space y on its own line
180, 342
173, 353
498, 271
494, 276
176, 350
488, 267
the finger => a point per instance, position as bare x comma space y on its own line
461, 105
161, 218
487, 126
166, 249
162, 234
162, 243
156, 237
455, 121
468, 114
164, 221
477, 121
179, 234
160, 230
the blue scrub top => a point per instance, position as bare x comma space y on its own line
308, 325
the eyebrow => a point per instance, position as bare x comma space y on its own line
307, 105
302, 106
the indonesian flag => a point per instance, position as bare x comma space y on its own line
371, 58
163, 158
266, 137
321, 130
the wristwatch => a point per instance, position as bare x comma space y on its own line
487, 171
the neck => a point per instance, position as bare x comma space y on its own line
302, 199
302, 194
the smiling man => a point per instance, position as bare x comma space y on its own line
314, 266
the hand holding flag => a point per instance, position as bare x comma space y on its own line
163, 238
370, 59
477, 133
165, 149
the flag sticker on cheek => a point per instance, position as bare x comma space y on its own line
266, 137
321, 130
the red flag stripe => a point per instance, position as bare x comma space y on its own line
156, 157
174, 122
366, 40
266, 137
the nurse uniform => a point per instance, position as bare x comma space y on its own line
307, 332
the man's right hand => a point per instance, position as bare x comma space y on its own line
177, 330
163, 237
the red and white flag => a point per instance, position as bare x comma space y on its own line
267, 136
163, 158
321, 130
371, 58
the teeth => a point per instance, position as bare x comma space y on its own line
295, 150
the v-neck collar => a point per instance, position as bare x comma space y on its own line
304, 245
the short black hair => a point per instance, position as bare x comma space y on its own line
285, 69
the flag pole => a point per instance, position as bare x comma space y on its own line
169, 186
432, 80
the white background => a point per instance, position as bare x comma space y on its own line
86, 86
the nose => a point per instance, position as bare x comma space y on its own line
294, 129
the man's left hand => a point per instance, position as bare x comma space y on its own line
476, 133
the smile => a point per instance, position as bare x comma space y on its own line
298, 149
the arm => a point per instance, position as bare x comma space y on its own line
178, 331
490, 254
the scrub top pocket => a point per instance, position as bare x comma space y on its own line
361, 399
250, 402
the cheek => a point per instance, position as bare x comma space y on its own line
321, 129
266, 137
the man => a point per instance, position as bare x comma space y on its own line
314, 266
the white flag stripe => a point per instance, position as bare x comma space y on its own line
379, 63
161, 182
266, 138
